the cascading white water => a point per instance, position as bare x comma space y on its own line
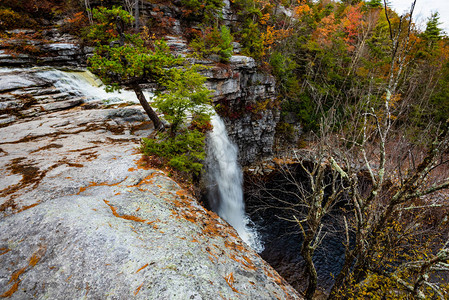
87, 85
225, 184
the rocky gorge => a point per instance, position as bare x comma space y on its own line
83, 216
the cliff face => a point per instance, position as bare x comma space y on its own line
245, 98
82, 216
245, 95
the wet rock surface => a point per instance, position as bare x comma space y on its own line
81, 217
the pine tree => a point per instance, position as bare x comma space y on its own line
433, 32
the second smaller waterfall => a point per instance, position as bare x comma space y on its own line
225, 181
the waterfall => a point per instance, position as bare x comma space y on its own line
85, 84
225, 180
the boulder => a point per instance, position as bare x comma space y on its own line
82, 216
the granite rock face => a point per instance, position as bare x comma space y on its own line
82, 217
51, 49
24, 94
246, 99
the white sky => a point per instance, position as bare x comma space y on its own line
423, 10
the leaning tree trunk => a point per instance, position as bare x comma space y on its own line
158, 125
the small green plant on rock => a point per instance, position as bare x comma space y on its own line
214, 41
184, 151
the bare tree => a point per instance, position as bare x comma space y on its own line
133, 7
88, 11
307, 191
375, 211
363, 169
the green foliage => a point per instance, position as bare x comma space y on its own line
433, 32
122, 58
283, 67
286, 131
204, 11
184, 151
305, 110
252, 41
226, 47
10, 19
214, 41
374, 3
109, 21
186, 94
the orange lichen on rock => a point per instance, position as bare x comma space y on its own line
143, 163
277, 279
28, 207
247, 263
152, 224
16, 274
146, 180
4, 250
230, 280
182, 193
36, 257
234, 246
126, 217
92, 183
138, 289
211, 229
211, 254
11, 291
142, 268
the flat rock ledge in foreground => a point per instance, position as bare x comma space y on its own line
81, 219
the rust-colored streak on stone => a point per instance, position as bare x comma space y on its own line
16, 274
146, 180
34, 259
4, 250
142, 268
92, 184
28, 207
75, 165
138, 289
11, 291
49, 146
143, 163
230, 281
126, 217
37, 256
87, 289
247, 263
